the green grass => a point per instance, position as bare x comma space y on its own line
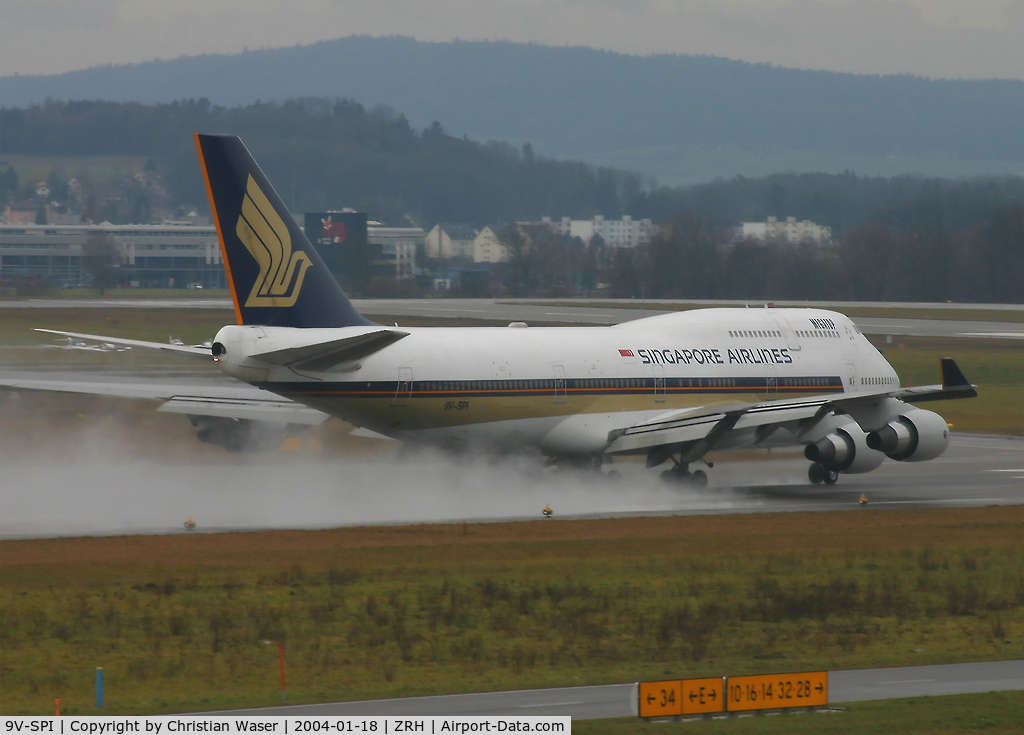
191, 622
995, 713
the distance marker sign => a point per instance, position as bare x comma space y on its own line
776, 691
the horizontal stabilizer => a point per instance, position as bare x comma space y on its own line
189, 350
325, 355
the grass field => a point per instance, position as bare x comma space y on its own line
997, 713
190, 621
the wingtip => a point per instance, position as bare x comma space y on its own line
952, 375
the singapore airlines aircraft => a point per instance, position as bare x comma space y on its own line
671, 387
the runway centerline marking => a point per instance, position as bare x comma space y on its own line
906, 681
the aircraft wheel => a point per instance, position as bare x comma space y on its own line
676, 477
816, 473
699, 479
831, 477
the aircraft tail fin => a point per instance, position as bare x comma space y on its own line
275, 275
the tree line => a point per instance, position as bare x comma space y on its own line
900, 238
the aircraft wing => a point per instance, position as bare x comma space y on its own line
189, 350
707, 423
194, 399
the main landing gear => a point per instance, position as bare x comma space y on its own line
818, 473
680, 475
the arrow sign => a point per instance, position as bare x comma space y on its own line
650, 698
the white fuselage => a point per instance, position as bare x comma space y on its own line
562, 389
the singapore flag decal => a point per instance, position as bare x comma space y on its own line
627, 355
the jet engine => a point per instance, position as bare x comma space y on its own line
844, 450
915, 436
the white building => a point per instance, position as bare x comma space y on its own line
155, 256
450, 240
788, 231
617, 233
398, 246
488, 249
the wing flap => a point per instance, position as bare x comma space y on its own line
277, 410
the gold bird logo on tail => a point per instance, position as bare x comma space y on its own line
265, 236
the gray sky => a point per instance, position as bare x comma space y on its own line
933, 38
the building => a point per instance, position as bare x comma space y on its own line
488, 249
397, 247
617, 233
788, 231
148, 256
450, 240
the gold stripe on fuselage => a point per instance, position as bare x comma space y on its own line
422, 410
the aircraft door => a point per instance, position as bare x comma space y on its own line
403, 391
559, 384
791, 340
851, 377
659, 384
771, 382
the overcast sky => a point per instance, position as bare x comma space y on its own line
933, 38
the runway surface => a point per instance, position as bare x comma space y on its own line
619, 700
579, 311
96, 490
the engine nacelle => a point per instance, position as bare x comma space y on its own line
845, 450
916, 436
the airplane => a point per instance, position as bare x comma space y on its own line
672, 387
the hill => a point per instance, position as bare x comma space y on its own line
679, 118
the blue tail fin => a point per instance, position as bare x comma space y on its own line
275, 275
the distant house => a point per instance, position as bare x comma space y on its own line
25, 212
488, 249
788, 231
450, 240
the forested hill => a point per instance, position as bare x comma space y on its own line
681, 118
323, 154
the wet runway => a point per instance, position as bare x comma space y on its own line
97, 491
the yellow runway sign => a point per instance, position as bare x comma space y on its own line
660, 698
775, 691
703, 696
